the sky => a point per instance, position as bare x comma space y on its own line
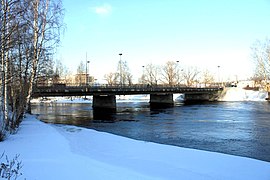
199, 33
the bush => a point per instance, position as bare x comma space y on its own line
10, 168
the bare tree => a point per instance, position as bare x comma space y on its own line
45, 23
190, 75
46, 71
8, 26
207, 78
261, 56
29, 32
150, 74
81, 68
80, 77
111, 78
123, 73
170, 73
65, 74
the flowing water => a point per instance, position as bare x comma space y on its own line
240, 127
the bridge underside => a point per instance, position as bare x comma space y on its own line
156, 100
109, 101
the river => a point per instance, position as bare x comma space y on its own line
239, 127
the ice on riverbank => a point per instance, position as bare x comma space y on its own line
68, 152
63, 100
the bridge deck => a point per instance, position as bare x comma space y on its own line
47, 91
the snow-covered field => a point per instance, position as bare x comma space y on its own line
68, 152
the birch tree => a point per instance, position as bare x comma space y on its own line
7, 28
29, 32
123, 73
261, 56
45, 25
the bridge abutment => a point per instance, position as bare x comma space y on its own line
161, 100
104, 102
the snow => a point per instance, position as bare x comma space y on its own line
68, 152
62, 100
240, 94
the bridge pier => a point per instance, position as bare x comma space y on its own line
268, 97
161, 100
104, 102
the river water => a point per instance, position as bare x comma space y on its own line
239, 128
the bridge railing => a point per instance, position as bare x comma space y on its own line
124, 88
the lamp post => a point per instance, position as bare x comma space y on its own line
86, 82
86, 63
177, 72
121, 78
143, 79
86, 78
218, 76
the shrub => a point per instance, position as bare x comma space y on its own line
9, 169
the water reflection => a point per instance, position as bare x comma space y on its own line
104, 115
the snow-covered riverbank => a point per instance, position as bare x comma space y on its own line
68, 152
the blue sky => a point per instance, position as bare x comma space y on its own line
201, 33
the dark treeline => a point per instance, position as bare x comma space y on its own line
29, 33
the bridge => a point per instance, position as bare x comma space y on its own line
104, 96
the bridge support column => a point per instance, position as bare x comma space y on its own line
161, 100
104, 102
268, 98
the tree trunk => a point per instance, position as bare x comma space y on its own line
3, 63
35, 57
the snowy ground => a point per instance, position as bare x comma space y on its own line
68, 152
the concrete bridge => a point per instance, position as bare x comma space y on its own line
104, 95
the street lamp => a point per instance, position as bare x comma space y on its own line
218, 76
177, 72
87, 62
86, 79
143, 79
121, 78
